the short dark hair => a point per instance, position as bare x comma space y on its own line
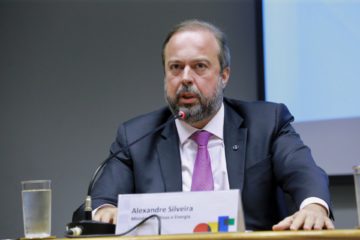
194, 24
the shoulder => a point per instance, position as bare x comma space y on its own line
258, 111
252, 106
148, 120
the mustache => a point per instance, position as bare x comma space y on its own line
188, 89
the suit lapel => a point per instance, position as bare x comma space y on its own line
169, 157
235, 150
235, 147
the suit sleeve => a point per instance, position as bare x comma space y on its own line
294, 167
117, 176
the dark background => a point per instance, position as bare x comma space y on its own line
72, 70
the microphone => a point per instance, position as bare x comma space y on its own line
90, 227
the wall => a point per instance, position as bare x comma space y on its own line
71, 71
343, 199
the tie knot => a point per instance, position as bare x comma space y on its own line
201, 137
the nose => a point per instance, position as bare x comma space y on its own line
187, 76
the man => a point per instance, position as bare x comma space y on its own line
252, 146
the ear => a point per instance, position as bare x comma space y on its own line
225, 76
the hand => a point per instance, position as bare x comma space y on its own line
106, 214
313, 216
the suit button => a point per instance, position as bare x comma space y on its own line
235, 147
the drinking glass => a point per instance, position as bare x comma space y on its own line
36, 204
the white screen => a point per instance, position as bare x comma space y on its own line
312, 51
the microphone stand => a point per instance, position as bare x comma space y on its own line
89, 226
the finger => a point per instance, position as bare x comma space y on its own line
96, 217
298, 221
329, 224
284, 224
114, 218
108, 216
309, 222
319, 223
100, 215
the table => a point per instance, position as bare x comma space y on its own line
350, 234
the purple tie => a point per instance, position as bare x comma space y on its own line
202, 178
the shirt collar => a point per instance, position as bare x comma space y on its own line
215, 126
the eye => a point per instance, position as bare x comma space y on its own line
201, 66
175, 68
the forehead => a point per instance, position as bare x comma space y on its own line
189, 42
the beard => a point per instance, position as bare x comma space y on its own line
204, 109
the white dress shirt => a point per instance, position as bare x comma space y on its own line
216, 148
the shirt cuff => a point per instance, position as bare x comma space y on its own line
99, 207
316, 200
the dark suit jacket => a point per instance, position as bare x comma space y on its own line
262, 149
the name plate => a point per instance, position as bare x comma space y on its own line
181, 212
